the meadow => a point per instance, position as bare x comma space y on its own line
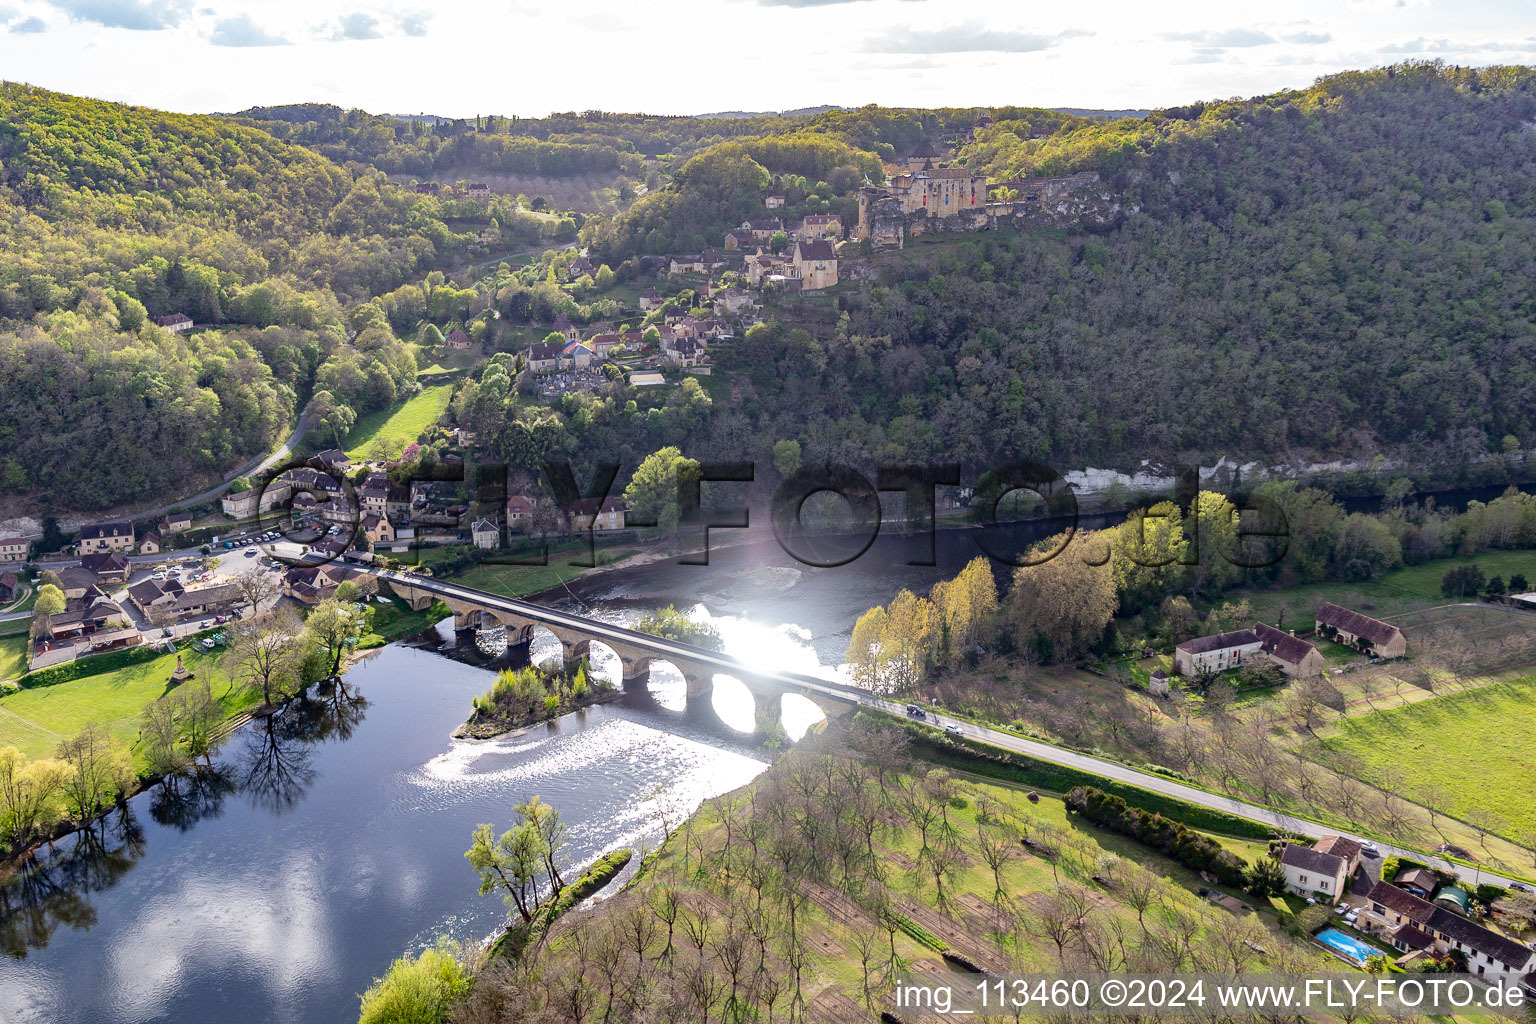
13, 656
35, 718
398, 425
1406, 589
1473, 747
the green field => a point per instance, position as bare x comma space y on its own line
1401, 590
522, 580
35, 719
398, 425
13, 656
1475, 746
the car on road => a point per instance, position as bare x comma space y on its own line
1371, 850
954, 730
1521, 887
167, 631
916, 712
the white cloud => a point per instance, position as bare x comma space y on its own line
138, 15
968, 38
28, 27
358, 25
1233, 37
242, 31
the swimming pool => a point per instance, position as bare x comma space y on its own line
1346, 947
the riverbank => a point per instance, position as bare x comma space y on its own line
850, 863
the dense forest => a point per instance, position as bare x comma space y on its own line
1341, 271
594, 140
112, 215
1337, 271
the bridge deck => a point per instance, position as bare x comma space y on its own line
658, 647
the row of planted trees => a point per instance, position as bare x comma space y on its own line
728, 921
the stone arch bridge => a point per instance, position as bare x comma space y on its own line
637, 651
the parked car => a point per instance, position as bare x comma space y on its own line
954, 730
250, 552
221, 619
916, 712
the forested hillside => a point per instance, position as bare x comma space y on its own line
1339, 271
111, 215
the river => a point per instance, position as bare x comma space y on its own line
327, 842
330, 839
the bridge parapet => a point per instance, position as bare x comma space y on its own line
637, 653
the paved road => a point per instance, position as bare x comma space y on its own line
251, 468
1172, 788
1008, 741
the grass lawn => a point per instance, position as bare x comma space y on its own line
13, 656
35, 719
398, 425
1475, 746
522, 580
1400, 590
395, 620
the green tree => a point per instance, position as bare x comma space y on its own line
50, 601
1265, 878
1148, 552
1058, 608
332, 625
420, 990
866, 662
27, 789
964, 609
1463, 581
95, 772
786, 457
1365, 548
511, 862
653, 492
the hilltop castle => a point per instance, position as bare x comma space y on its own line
955, 199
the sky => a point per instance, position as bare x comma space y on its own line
672, 57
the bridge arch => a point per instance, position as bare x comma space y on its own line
603, 659
797, 713
481, 618
544, 644
674, 684
735, 704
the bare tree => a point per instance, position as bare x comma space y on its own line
667, 904
267, 654
256, 587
